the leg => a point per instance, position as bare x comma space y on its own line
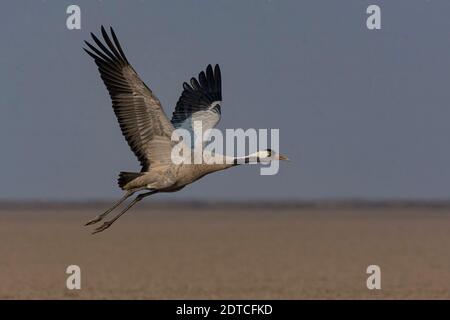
107, 224
104, 214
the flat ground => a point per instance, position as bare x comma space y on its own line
227, 253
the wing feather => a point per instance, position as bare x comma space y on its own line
200, 100
138, 111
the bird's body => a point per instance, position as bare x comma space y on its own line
171, 178
148, 130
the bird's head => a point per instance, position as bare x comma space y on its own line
270, 155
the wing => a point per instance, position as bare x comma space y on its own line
200, 101
140, 115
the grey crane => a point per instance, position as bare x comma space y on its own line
148, 130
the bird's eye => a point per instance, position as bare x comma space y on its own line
269, 152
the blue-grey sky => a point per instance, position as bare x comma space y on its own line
362, 114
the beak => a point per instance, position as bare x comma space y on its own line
281, 157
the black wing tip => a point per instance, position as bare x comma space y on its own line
104, 33
103, 28
199, 94
111, 30
216, 68
108, 50
89, 53
209, 68
208, 81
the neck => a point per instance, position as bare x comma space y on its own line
252, 158
228, 162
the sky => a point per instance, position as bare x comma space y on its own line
362, 113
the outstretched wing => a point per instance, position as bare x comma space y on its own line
200, 101
140, 115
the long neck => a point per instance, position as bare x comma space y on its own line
252, 158
228, 162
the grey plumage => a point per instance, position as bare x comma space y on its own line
146, 127
139, 112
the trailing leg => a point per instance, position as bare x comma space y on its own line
100, 217
138, 198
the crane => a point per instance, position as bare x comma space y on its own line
148, 130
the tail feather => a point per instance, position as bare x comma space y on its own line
126, 177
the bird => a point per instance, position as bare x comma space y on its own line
148, 130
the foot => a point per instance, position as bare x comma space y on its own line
103, 227
95, 220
